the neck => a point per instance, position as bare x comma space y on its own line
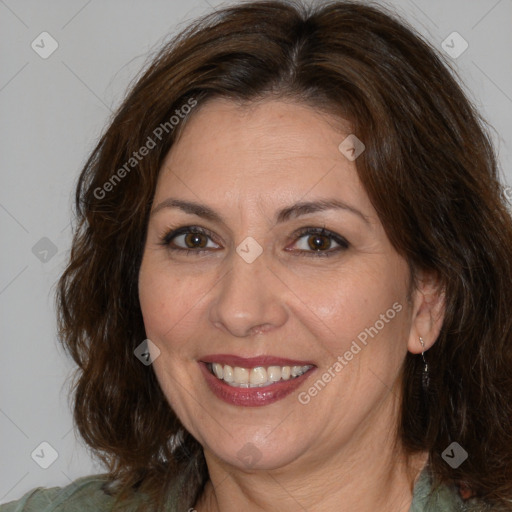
391, 491
369, 473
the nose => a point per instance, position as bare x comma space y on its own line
249, 299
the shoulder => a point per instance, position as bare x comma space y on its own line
431, 497
83, 495
435, 498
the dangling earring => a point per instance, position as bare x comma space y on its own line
425, 377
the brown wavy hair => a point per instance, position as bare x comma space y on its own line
429, 169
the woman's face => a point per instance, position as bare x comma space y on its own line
279, 261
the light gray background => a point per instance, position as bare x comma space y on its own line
52, 112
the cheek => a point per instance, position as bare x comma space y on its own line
169, 304
167, 301
353, 304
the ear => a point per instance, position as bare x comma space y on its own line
428, 309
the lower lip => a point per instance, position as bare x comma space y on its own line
252, 397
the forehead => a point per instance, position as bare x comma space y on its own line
267, 129
263, 151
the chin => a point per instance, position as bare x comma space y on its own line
248, 453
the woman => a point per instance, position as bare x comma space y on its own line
290, 283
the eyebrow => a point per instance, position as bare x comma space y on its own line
283, 215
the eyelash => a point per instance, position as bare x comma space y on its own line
343, 244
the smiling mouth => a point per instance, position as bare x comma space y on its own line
258, 377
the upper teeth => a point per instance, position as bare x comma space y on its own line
256, 377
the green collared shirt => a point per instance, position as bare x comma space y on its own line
86, 495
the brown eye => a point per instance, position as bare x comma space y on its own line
195, 240
189, 239
319, 242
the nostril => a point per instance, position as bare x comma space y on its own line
261, 329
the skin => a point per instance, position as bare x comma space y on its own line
246, 163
